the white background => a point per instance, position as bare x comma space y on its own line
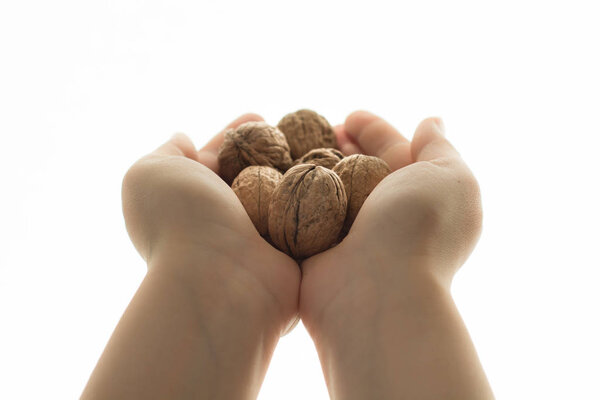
86, 88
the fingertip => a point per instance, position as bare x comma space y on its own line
359, 114
253, 116
178, 145
356, 120
440, 123
345, 143
349, 149
429, 126
185, 144
248, 117
429, 141
180, 138
434, 123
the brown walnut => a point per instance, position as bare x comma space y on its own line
360, 174
254, 186
252, 143
327, 158
307, 211
306, 130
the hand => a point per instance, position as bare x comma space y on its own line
175, 205
209, 312
423, 219
378, 305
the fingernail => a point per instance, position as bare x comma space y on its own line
441, 127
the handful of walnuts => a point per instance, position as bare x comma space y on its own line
298, 189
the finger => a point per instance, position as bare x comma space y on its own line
346, 145
429, 142
208, 155
179, 145
378, 138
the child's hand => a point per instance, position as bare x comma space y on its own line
182, 216
378, 305
422, 220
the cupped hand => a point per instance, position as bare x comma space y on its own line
422, 220
176, 206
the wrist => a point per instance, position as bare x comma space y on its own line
368, 285
219, 283
380, 339
189, 322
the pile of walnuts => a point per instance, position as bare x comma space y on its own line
300, 192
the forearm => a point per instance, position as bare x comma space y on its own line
187, 335
410, 343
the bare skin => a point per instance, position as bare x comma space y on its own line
206, 319
378, 305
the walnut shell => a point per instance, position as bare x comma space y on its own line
254, 186
252, 143
306, 130
327, 158
307, 211
360, 175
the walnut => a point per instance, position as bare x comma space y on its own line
252, 143
254, 186
327, 158
360, 175
306, 130
307, 210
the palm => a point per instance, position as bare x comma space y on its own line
429, 199
329, 278
220, 213
174, 195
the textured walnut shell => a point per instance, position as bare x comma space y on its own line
254, 186
306, 130
252, 143
327, 158
307, 211
360, 175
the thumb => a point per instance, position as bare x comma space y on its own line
430, 143
179, 145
